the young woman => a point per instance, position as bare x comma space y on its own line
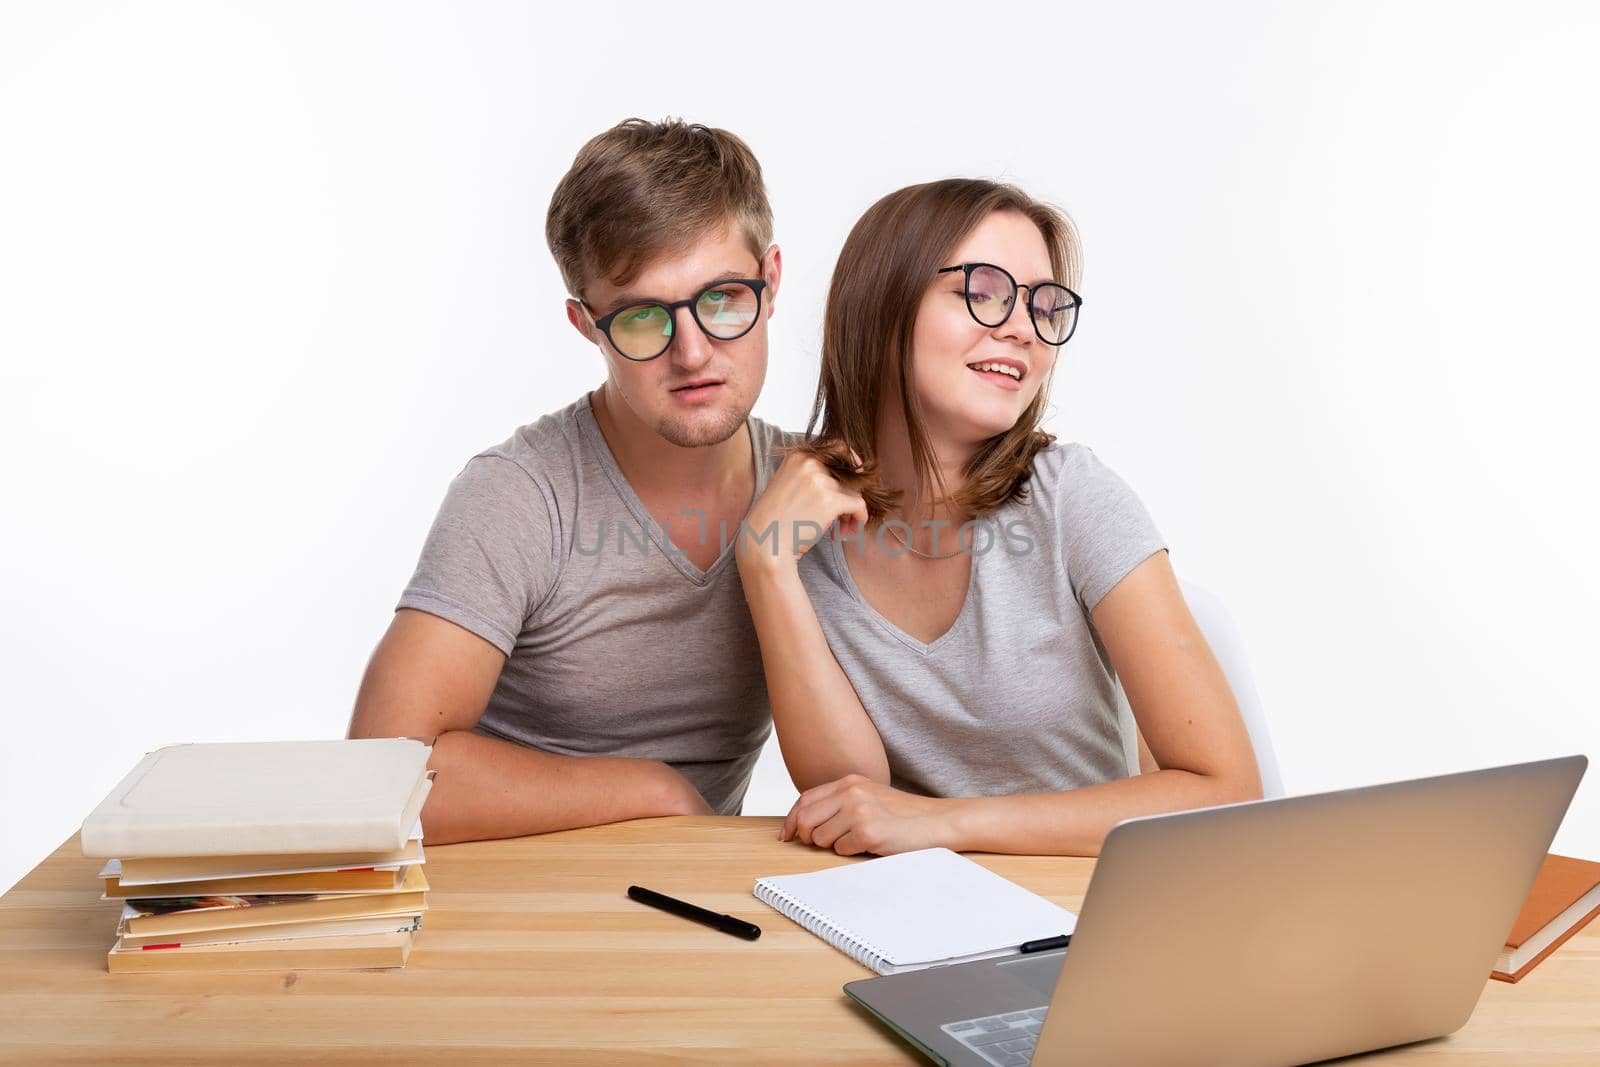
942, 665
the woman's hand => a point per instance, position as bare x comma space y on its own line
856, 814
797, 510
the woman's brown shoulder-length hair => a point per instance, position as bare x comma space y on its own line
884, 269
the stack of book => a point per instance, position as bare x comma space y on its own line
266, 855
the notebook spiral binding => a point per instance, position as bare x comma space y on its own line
840, 938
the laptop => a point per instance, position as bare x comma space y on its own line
1268, 932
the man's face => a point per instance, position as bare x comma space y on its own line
700, 390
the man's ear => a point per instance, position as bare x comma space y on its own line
580, 321
772, 270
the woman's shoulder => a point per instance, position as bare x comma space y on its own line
1059, 456
1073, 491
1062, 469
1100, 523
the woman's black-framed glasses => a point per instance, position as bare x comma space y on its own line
991, 294
725, 311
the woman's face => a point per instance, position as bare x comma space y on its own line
962, 404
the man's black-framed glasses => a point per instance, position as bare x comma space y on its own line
991, 294
724, 310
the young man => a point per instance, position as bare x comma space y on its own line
575, 639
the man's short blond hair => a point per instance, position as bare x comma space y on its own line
642, 189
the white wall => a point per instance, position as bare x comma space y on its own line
269, 274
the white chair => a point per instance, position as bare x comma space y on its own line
1223, 636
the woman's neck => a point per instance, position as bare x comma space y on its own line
898, 471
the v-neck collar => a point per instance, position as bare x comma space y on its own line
658, 536
836, 551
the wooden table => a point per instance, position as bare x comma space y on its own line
532, 953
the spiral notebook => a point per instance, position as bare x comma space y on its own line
914, 910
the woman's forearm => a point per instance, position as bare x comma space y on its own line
1075, 822
823, 731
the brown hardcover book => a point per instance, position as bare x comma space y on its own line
199, 914
198, 868
1564, 897
380, 880
312, 953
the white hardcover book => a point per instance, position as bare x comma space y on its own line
916, 909
254, 797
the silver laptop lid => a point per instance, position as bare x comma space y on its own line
1299, 929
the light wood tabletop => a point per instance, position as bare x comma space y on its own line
531, 952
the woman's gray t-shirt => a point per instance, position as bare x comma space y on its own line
1018, 696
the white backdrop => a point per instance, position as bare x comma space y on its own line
269, 274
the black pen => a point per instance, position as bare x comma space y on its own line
1047, 943
726, 923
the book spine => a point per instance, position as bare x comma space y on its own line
296, 958
843, 940
204, 920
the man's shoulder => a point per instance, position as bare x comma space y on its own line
544, 450
773, 435
555, 434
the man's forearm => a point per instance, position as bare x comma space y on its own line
489, 788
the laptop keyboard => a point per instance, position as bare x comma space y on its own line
1004, 1040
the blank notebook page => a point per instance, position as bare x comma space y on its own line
915, 909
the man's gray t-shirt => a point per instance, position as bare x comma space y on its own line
1019, 695
614, 646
